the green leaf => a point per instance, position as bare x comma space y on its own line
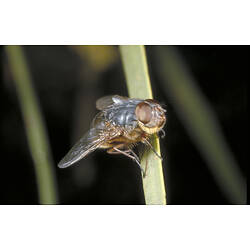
34, 125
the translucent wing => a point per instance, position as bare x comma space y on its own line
106, 101
92, 140
87, 144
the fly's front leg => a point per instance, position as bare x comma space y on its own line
163, 133
145, 141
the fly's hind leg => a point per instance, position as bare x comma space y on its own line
134, 157
138, 160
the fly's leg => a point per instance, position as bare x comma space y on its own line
115, 150
134, 157
163, 133
145, 141
144, 172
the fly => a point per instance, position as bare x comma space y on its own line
121, 124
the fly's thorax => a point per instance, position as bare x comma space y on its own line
122, 115
151, 116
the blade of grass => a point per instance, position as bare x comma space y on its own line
200, 122
34, 125
138, 84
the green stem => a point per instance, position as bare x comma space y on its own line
34, 125
138, 83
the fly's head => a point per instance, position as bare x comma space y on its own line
151, 116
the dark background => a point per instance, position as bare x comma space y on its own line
68, 81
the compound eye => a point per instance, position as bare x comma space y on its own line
143, 112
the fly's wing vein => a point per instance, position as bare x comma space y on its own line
92, 140
88, 143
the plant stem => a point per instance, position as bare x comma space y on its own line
34, 125
138, 84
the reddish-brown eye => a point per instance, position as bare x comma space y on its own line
143, 112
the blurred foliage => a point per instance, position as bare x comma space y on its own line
200, 122
139, 86
34, 125
99, 57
